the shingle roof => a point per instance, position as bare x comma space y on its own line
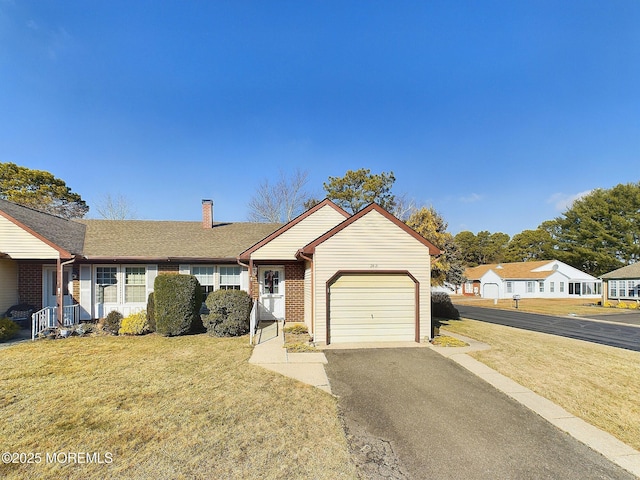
169, 239
65, 234
516, 270
630, 271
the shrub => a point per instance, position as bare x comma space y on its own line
134, 324
177, 301
633, 306
8, 329
112, 322
608, 304
151, 318
621, 305
229, 312
442, 307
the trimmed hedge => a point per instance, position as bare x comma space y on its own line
134, 324
177, 301
229, 312
441, 306
151, 316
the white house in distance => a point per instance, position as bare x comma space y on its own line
535, 279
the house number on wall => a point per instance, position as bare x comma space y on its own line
373, 265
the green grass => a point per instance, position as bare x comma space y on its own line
181, 407
594, 382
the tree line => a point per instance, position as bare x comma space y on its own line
598, 233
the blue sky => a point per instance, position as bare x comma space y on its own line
496, 113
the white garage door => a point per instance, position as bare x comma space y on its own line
372, 308
491, 290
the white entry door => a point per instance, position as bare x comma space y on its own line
50, 286
271, 280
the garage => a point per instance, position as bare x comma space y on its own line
372, 307
491, 290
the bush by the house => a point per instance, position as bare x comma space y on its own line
151, 319
134, 324
177, 301
441, 306
229, 312
8, 329
112, 322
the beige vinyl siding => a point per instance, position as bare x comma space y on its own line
8, 284
19, 244
285, 246
372, 243
372, 308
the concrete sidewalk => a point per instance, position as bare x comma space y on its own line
306, 367
602, 442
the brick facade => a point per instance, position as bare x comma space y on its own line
30, 284
294, 292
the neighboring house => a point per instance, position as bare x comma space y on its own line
535, 279
358, 278
622, 284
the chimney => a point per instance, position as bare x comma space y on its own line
207, 213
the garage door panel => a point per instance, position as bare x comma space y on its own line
369, 308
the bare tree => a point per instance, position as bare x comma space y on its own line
280, 201
115, 208
404, 207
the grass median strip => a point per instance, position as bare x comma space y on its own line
182, 407
594, 382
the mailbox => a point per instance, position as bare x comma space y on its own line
516, 299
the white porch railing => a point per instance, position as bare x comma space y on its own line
253, 321
48, 318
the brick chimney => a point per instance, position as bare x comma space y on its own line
207, 213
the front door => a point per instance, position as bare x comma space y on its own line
50, 287
271, 280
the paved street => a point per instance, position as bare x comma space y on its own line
616, 335
443, 422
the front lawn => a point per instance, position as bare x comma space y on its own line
180, 407
594, 382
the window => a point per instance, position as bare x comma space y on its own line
229, 278
561, 287
271, 281
135, 285
541, 286
205, 276
632, 288
509, 287
107, 280
529, 287
552, 287
622, 287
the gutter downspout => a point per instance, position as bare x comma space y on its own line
313, 300
249, 267
59, 292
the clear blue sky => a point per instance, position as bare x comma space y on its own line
493, 112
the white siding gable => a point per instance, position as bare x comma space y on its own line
18, 243
285, 246
371, 243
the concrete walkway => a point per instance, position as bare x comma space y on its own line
606, 444
306, 367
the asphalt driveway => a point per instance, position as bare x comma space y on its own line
443, 422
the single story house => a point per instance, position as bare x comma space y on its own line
534, 279
350, 278
622, 284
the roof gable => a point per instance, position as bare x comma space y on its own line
309, 249
532, 270
288, 228
65, 236
629, 271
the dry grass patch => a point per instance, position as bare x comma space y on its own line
548, 306
594, 382
448, 341
181, 407
296, 338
